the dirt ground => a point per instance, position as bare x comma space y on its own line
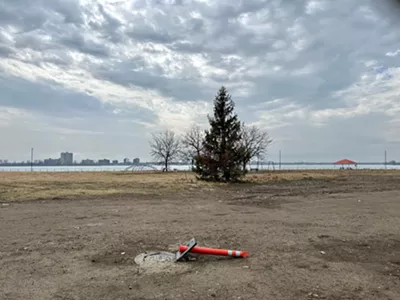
311, 235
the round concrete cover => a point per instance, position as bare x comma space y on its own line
152, 258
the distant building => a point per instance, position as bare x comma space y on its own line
126, 161
87, 162
115, 162
51, 162
66, 158
136, 161
104, 162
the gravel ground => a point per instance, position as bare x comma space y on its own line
308, 239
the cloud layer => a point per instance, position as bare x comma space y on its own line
97, 77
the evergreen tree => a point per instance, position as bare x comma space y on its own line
221, 155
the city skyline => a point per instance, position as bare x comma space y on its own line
67, 158
79, 156
137, 160
99, 77
75, 158
384, 155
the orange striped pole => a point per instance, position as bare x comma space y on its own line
212, 251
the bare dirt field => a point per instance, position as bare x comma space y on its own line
311, 235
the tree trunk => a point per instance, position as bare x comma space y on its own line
166, 165
197, 161
227, 175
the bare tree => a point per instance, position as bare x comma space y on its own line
254, 143
165, 146
193, 142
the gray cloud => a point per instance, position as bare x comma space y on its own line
5, 51
358, 138
19, 93
157, 61
52, 100
81, 44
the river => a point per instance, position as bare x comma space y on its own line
120, 168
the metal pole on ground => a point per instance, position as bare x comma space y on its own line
280, 159
31, 159
385, 159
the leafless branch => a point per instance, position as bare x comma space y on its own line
193, 141
165, 146
254, 143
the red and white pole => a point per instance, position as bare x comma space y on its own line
212, 251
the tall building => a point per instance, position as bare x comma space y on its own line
88, 162
51, 162
104, 161
66, 158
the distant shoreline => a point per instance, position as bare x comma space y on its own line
185, 168
186, 164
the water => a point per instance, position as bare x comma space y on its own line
117, 168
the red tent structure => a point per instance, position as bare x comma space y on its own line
345, 162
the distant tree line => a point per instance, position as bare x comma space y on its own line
220, 153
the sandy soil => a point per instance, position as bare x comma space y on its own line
333, 236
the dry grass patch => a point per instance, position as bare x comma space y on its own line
40, 185
295, 175
26, 186
283, 176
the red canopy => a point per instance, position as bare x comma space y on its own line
345, 162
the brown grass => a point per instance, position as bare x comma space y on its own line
292, 175
37, 185
25, 186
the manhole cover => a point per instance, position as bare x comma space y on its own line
160, 262
153, 258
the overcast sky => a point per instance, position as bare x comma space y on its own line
98, 77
